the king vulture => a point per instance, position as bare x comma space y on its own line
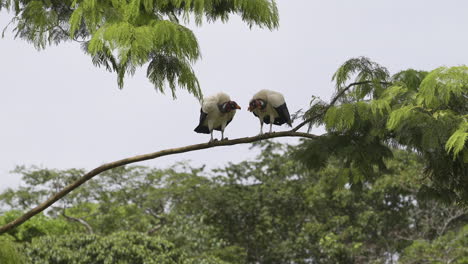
270, 107
216, 113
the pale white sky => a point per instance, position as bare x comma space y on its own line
58, 111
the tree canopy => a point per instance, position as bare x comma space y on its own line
123, 35
425, 112
269, 210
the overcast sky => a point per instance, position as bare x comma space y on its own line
58, 111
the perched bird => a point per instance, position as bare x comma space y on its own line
216, 113
270, 107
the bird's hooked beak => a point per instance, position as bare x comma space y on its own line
238, 107
252, 106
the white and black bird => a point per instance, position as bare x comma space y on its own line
216, 113
270, 107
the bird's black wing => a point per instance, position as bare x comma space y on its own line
203, 116
284, 116
202, 128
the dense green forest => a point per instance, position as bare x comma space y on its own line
270, 210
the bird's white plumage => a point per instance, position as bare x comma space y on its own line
273, 100
210, 103
215, 118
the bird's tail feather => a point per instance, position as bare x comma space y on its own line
202, 129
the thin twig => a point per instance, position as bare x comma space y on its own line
78, 220
333, 102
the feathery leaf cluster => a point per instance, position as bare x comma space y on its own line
422, 111
369, 78
9, 253
123, 35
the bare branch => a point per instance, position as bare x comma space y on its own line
153, 230
41, 207
454, 215
78, 220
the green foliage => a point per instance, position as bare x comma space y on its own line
410, 78
9, 252
127, 199
269, 210
444, 88
205, 260
457, 142
402, 114
120, 247
41, 22
340, 118
450, 248
169, 68
368, 76
39, 225
359, 160
315, 113
123, 35
39, 185
424, 112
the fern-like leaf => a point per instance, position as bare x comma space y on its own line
442, 85
123, 35
368, 78
398, 116
410, 78
174, 71
457, 142
340, 117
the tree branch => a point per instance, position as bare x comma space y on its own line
78, 220
153, 230
105, 167
458, 213
333, 102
